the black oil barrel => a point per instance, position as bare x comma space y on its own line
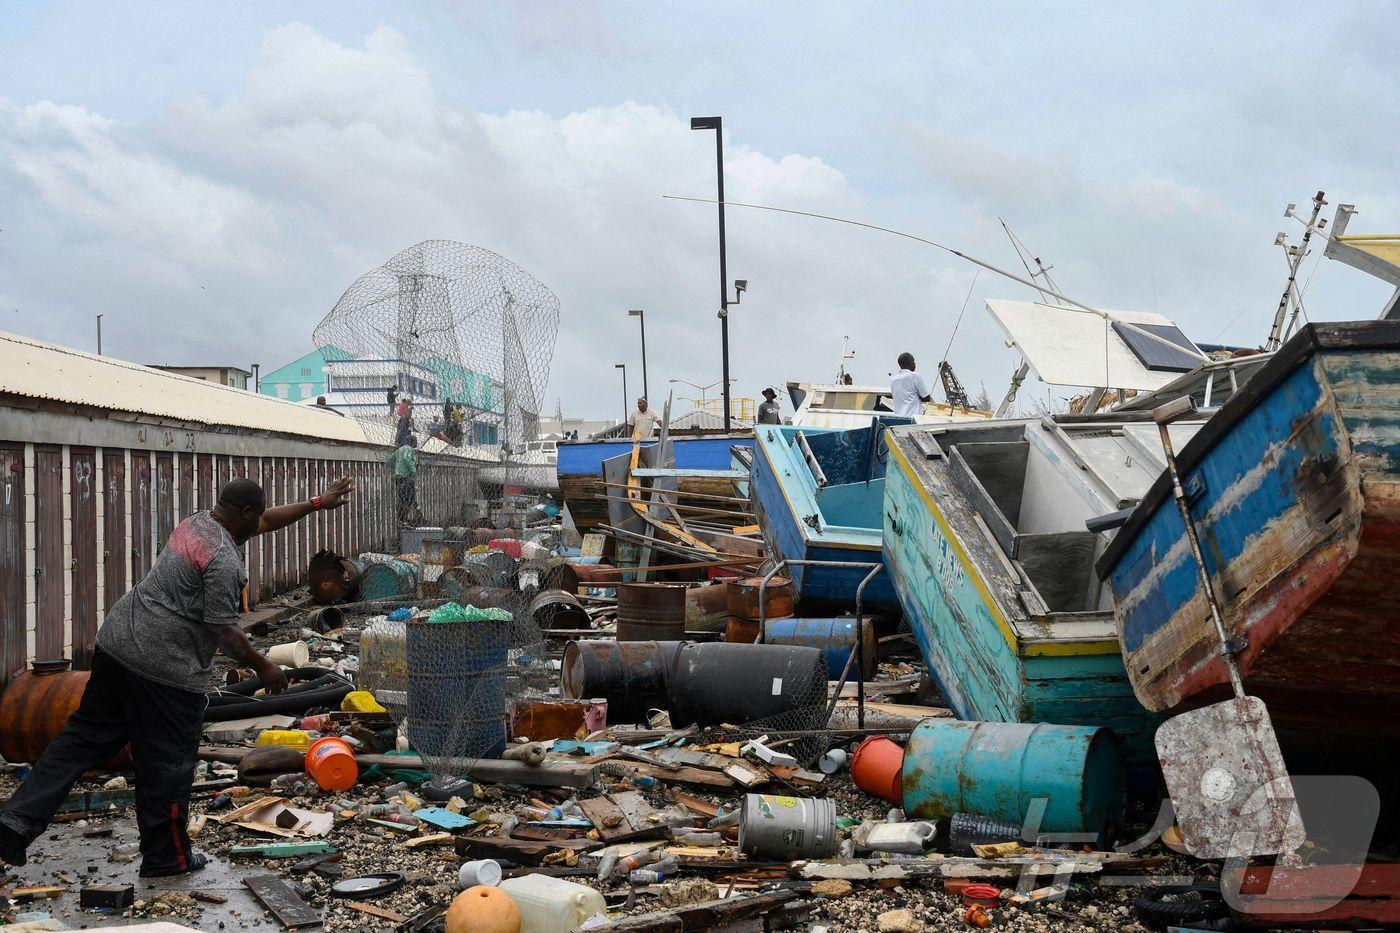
723, 682
553, 609
630, 675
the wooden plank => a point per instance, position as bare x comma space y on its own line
13, 650
140, 514
621, 817
380, 912
515, 850
282, 902
165, 499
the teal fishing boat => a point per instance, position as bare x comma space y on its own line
986, 544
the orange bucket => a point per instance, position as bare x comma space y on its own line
876, 768
332, 763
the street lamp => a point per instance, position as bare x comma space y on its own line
717, 124
641, 317
99, 335
623, 367
702, 389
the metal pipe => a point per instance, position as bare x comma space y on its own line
817, 472
1164, 415
860, 592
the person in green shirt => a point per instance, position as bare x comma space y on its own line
403, 463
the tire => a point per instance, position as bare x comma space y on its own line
1164, 907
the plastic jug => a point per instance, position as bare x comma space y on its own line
903, 838
552, 905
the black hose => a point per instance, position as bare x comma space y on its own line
325, 691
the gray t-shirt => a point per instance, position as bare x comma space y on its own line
769, 413
164, 628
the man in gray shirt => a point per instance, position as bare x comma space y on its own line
768, 410
149, 675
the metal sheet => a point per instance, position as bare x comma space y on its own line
49, 570
12, 567
1072, 347
83, 493
1228, 783
113, 527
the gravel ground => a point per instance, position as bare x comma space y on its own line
432, 872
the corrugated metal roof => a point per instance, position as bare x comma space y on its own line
36, 369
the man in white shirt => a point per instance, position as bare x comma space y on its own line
643, 420
909, 390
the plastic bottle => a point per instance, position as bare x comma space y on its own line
703, 840
393, 789
549, 905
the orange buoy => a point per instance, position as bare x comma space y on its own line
876, 769
331, 762
483, 909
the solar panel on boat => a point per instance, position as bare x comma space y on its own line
1155, 355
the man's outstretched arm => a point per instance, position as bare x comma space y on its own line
280, 516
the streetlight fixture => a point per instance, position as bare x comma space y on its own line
99, 335
623, 367
641, 317
701, 389
717, 124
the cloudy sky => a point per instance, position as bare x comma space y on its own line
211, 177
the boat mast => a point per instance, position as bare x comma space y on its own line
1041, 271
846, 354
1290, 296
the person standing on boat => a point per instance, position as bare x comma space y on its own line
909, 389
768, 410
642, 421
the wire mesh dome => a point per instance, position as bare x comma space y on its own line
446, 321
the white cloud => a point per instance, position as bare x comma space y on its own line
223, 230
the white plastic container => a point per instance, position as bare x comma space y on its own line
483, 871
900, 838
292, 654
552, 905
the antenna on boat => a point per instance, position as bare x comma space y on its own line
1294, 255
846, 354
1041, 271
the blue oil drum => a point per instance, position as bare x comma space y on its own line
457, 691
999, 769
390, 580
835, 637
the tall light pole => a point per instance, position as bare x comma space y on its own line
701, 389
641, 317
716, 124
99, 335
623, 367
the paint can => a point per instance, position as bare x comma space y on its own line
787, 828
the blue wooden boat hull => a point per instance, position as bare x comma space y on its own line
787, 504
991, 661
1295, 492
580, 470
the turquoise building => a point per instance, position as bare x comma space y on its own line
301, 378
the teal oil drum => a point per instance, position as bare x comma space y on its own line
836, 638
389, 580
999, 769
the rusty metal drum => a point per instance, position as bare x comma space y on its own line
650, 612
777, 598
632, 675
556, 609
35, 708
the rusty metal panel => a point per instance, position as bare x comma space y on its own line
247, 467
1228, 782
302, 528
165, 499
265, 476
185, 467
49, 572
140, 514
82, 491
113, 527
206, 493
12, 578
